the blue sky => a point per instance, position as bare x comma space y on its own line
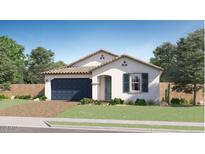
70, 40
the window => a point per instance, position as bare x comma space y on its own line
135, 82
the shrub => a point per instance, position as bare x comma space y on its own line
86, 101
42, 98
23, 97
116, 101
90, 101
190, 101
3, 97
140, 102
97, 102
5, 86
184, 101
175, 101
129, 102
151, 102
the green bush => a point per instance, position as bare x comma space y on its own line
129, 102
190, 101
151, 102
90, 101
3, 97
97, 102
116, 101
23, 97
182, 101
86, 101
5, 86
175, 101
140, 102
42, 98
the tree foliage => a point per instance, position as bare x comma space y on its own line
164, 57
37, 62
184, 63
11, 61
190, 63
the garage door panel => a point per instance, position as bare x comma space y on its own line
71, 89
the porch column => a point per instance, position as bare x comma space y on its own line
48, 87
95, 85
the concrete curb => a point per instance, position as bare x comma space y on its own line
126, 130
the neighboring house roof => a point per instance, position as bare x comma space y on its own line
137, 60
90, 55
71, 70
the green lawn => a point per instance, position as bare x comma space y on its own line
7, 103
57, 123
187, 114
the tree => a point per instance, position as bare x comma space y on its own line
40, 60
58, 64
164, 57
11, 60
7, 69
190, 63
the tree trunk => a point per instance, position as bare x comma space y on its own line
194, 97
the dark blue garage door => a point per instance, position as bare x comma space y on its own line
72, 89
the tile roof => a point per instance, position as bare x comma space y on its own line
88, 69
71, 70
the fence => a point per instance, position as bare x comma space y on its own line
24, 89
174, 94
38, 89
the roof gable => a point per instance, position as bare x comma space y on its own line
132, 58
92, 55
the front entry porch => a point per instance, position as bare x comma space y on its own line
104, 90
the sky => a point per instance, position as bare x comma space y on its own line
73, 39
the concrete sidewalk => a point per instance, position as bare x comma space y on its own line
41, 122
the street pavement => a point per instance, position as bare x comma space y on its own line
10, 129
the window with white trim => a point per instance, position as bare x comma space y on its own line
135, 82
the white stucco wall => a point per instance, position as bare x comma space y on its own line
101, 88
48, 79
116, 71
95, 60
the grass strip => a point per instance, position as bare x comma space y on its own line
58, 123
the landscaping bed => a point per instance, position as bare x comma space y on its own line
36, 109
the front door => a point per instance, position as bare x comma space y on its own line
108, 88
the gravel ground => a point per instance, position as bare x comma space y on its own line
37, 109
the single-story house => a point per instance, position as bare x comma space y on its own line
104, 76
